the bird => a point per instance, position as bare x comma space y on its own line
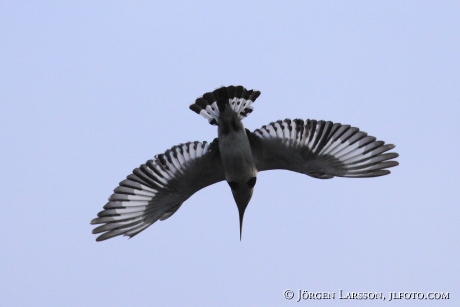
320, 149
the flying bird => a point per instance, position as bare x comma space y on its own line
320, 149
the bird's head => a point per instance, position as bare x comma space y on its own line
242, 193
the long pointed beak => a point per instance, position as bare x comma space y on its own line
242, 201
241, 212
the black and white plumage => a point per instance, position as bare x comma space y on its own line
320, 149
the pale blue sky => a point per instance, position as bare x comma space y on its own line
93, 89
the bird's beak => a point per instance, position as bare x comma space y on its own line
242, 201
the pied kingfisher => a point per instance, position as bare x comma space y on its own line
320, 149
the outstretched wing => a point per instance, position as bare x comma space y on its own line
156, 189
320, 149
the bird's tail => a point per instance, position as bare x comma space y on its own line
213, 103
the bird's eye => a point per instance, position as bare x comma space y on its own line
251, 182
233, 185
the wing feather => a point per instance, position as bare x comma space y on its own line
320, 149
156, 189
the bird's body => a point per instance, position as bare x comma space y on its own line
236, 154
320, 149
235, 150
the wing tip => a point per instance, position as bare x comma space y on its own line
95, 221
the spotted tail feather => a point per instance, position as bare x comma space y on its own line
212, 104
